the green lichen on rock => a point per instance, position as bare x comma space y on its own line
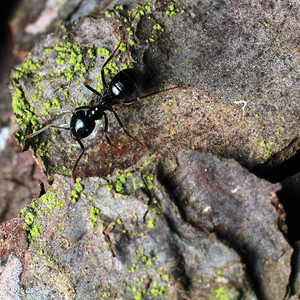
77, 191
94, 216
31, 215
32, 228
35, 215
66, 62
140, 286
128, 16
119, 184
70, 56
49, 83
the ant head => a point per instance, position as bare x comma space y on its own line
81, 124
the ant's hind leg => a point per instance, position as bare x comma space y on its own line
154, 93
125, 130
109, 59
105, 131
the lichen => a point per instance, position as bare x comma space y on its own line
135, 13
94, 216
65, 61
37, 210
119, 184
220, 294
77, 191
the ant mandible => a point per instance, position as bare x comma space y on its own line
120, 90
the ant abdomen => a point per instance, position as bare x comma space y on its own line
125, 84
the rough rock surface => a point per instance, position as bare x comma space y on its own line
135, 236
242, 102
187, 226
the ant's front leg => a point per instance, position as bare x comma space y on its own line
92, 89
125, 130
78, 159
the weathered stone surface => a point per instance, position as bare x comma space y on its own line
236, 207
13, 246
241, 68
194, 226
215, 234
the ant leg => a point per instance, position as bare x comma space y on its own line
78, 159
154, 93
108, 60
92, 90
125, 130
105, 131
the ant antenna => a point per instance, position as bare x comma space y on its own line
31, 135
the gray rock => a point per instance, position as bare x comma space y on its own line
135, 236
187, 226
242, 102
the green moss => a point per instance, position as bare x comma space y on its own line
33, 229
220, 294
119, 184
94, 216
77, 191
151, 223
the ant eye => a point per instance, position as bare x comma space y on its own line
82, 125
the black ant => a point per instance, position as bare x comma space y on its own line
120, 90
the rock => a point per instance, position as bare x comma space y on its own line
222, 198
134, 235
176, 224
226, 53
